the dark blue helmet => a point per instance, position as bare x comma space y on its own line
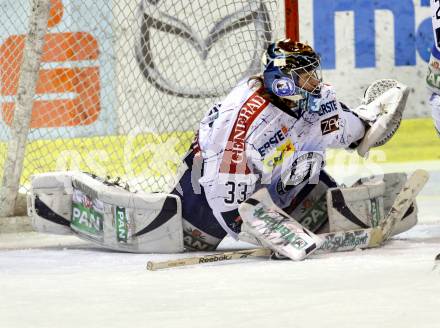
289, 69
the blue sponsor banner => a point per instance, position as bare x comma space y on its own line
410, 37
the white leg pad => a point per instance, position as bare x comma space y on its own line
358, 207
393, 184
107, 215
49, 202
365, 204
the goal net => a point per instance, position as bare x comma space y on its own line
121, 85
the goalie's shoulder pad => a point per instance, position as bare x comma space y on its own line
381, 110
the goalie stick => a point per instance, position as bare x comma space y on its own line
227, 256
404, 200
333, 241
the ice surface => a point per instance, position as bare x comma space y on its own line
59, 281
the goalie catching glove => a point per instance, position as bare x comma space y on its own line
381, 111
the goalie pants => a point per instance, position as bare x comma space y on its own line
201, 229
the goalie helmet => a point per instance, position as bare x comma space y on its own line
292, 71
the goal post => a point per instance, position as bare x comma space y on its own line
13, 164
292, 19
117, 88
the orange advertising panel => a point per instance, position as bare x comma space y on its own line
78, 88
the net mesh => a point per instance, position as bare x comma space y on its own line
123, 84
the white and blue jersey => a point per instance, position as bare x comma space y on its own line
433, 81
249, 141
434, 101
433, 78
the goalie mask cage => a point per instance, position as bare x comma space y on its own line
117, 88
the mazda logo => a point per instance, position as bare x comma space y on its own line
177, 60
